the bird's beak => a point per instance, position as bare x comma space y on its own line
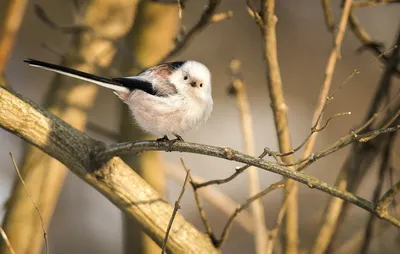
193, 84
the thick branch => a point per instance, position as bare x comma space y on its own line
114, 179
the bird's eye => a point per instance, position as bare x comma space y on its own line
185, 78
201, 84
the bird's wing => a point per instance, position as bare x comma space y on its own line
154, 80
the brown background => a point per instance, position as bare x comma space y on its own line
85, 222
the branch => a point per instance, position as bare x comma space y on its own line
371, 3
150, 38
361, 156
218, 199
257, 208
202, 213
206, 18
328, 15
384, 168
367, 42
114, 179
12, 14
69, 99
6, 241
279, 109
176, 208
233, 155
386, 200
245, 205
33, 202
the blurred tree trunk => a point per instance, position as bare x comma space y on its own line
150, 39
69, 99
12, 16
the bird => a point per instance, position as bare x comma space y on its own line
169, 99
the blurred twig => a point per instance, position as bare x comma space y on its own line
11, 15
33, 202
177, 206
257, 208
361, 156
328, 15
6, 241
354, 243
245, 205
383, 169
371, 3
367, 42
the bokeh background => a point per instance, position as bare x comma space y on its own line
85, 222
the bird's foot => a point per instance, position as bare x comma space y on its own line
163, 139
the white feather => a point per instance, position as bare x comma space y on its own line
103, 84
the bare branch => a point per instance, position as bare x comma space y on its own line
176, 208
205, 19
7, 242
114, 179
386, 200
367, 42
371, 3
33, 202
328, 15
202, 213
245, 205
279, 109
215, 197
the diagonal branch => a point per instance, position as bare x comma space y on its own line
114, 179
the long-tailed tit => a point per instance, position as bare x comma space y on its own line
170, 98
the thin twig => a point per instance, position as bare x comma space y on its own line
328, 15
7, 241
238, 171
176, 208
221, 201
367, 42
329, 73
33, 201
245, 205
358, 161
384, 168
246, 121
205, 20
202, 213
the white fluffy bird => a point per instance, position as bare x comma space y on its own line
168, 99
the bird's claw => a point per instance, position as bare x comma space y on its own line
163, 139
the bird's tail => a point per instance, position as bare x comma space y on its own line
101, 81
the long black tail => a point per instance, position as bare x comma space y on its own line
101, 81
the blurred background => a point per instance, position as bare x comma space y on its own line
86, 222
